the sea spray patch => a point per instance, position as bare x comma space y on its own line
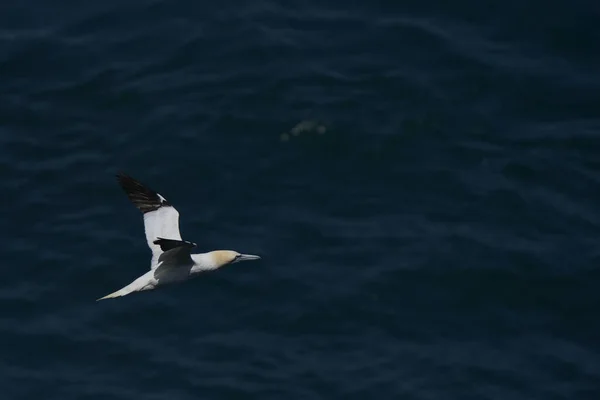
305, 127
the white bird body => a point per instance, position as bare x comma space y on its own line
171, 260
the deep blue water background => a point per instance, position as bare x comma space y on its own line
421, 178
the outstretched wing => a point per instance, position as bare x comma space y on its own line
175, 252
161, 219
169, 244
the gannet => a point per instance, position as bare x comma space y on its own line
171, 258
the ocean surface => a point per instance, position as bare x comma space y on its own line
421, 179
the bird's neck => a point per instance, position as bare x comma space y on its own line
204, 262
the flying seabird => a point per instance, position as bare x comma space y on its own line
171, 258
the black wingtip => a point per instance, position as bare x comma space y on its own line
145, 198
121, 175
168, 244
127, 182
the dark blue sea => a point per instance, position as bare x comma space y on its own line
421, 179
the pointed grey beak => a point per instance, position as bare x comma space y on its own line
247, 257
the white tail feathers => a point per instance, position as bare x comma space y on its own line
144, 282
118, 293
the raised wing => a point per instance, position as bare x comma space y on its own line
176, 253
169, 244
161, 219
